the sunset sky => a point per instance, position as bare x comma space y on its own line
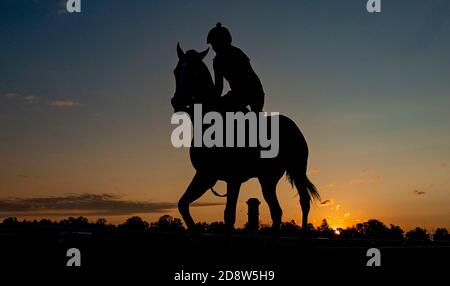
85, 106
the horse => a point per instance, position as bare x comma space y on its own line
235, 166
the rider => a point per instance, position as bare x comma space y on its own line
233, 64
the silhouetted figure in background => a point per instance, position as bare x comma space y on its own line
232, 64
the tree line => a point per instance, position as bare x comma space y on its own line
371, 229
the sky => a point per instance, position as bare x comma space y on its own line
85, 106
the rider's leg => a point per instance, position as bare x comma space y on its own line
257, 103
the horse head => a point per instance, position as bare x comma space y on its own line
193, 80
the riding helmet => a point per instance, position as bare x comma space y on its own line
219, 34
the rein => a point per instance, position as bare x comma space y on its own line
217, 194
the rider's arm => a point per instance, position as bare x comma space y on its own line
218, 79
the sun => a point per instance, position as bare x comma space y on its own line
337, 232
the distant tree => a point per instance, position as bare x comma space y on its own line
101, 222
75, 222
441, 234
311, 231
360, 230
45, 222
324, 230
10, 221
310, 227
217, 227
265, 229
417, 234
290, 228
202, 227
177, 225
395, 232
372, 229
375, 229
134, 223
349, 232
167, 223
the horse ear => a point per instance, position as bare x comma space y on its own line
204, 53
179, 51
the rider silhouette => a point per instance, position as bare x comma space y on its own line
233, 64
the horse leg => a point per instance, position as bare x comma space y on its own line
230, 209
269, 190
199, 185
305, 200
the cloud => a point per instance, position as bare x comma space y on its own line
338, 207
375, 178
443, 165
26, 99
419, 193
356, 181
330, 185
347, 215
30, 99
11, 95
33, 99
84, 204
64, 103
326, 203
315, 170
22, 176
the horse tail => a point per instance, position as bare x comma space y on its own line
296, 158
303, 185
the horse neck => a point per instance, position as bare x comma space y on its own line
207, 84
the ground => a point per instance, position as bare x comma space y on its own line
162, 256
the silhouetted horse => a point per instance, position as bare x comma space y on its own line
237, 165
